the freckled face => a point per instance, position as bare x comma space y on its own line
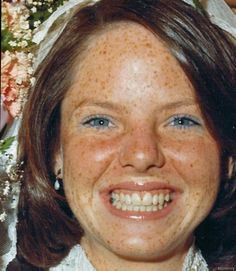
131, 124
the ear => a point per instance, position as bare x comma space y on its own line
58, 165
231, 165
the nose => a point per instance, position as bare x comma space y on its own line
140, 150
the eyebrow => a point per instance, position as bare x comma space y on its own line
186, 102
118, 107
107, 105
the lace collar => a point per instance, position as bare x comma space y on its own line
77, 258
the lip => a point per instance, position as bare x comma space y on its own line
136, 186
147, 186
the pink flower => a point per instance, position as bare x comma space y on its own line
15, 80
14, 15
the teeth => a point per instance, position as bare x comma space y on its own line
147, 199
122, 197
136, 208
118, 205
155, 200
127, 199
140, 201
115, 196
136, 199
167, 197
161, 199
124, 207
149, 208
129, 208
154, 208
142, 208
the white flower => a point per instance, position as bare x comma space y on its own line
23, 44
37, 23
24, 24
12, 43
28, 35
32, 81
6, 189
30, 56
34, 9
3, 216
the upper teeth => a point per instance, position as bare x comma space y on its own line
146, 199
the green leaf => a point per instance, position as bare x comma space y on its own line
6, 36
5, 144
42, 13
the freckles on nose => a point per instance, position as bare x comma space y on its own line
141, 151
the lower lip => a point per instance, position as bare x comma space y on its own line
139, 215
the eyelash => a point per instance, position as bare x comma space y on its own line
178, 122
90, 122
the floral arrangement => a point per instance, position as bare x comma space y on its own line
20, 21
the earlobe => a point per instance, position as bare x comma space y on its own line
58, 166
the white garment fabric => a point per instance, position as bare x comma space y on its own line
78, 261
220, 14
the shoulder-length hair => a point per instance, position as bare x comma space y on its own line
47, 229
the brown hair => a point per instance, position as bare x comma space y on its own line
47, 229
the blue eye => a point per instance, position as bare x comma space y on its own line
184, 122
98, 122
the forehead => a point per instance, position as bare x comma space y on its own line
120, 41
126, 37
123, 56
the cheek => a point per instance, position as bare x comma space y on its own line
86, 159
197, 162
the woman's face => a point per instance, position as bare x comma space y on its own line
141, 169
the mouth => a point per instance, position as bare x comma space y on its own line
140, 201
147, 201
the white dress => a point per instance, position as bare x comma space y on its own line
77, 260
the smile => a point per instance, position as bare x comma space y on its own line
144, 201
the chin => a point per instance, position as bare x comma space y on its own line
142, 250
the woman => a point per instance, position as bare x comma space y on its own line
128, 143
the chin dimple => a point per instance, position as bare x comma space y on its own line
143, 201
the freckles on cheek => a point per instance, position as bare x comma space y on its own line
196, 161
87, 159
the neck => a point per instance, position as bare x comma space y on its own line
105, 260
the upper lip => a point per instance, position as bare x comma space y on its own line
141, 186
